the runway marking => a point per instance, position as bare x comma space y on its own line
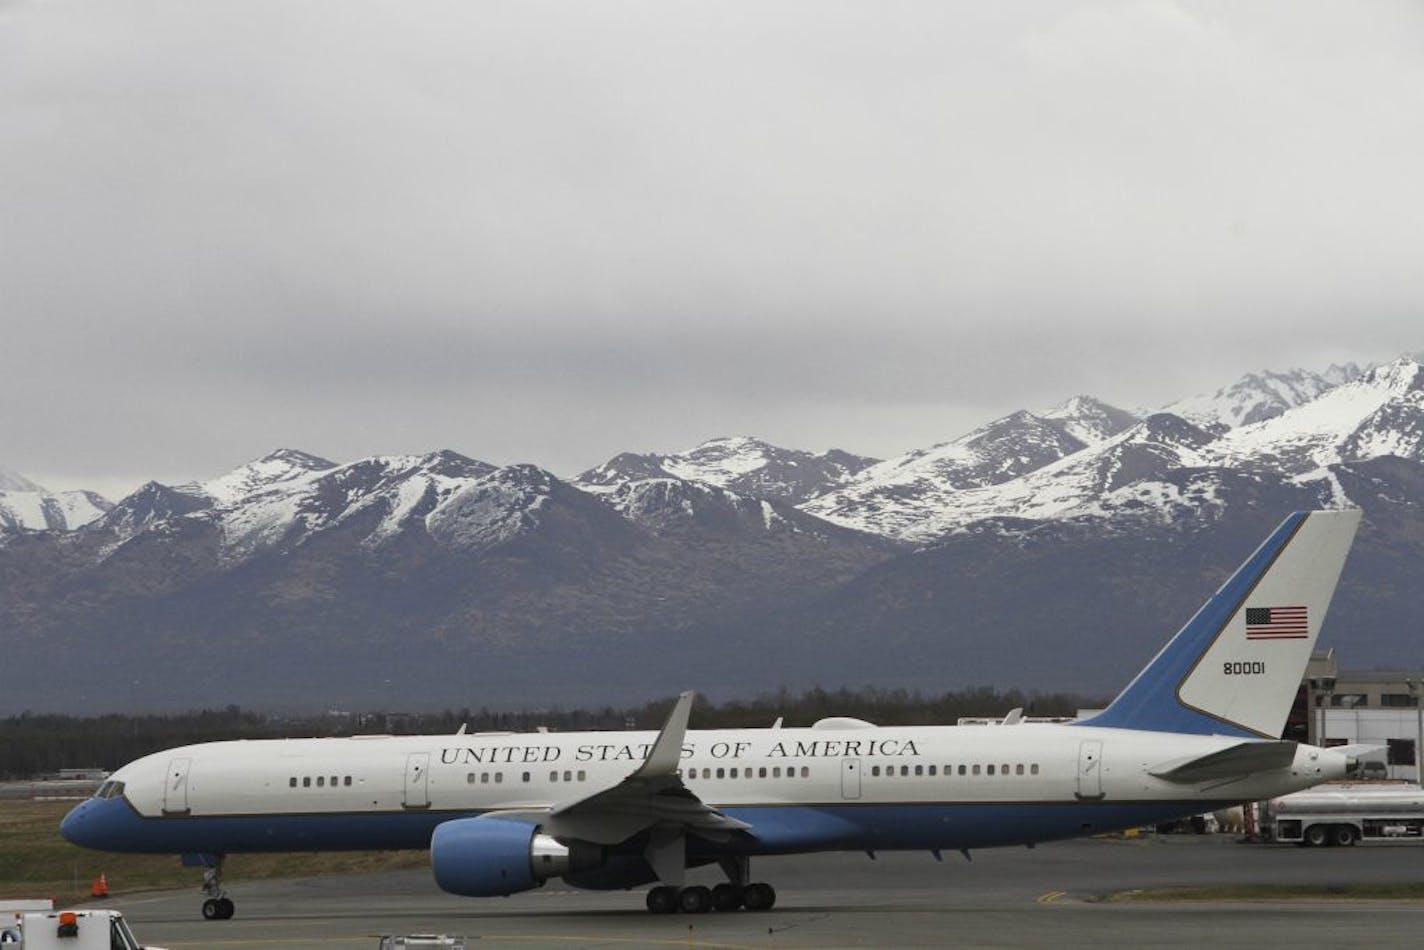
1050, 897
581, 939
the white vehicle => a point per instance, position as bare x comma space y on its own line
1344, 814
68, 930
501, 813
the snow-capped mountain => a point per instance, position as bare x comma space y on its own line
28, 506
1089, 420
1165, 467
454, 578
906, 497
151, 504
745, 466
1379, 413
276, 468
672, 505
373, 498
1136, 462
1256, 397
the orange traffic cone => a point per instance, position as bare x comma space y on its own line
101, 886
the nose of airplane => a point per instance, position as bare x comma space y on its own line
74, 824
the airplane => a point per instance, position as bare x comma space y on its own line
1196, 730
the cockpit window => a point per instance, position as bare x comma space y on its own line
110, 789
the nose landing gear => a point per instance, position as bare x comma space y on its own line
217, 906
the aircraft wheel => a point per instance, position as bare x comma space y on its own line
694, 900
212, 909
662, 900
726, 897
226, 908
1343, 835
759, 897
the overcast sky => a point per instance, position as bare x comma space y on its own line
551, 232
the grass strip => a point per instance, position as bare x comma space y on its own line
36, 862
1390, 891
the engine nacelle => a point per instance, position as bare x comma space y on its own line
495, 857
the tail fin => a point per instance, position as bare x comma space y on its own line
1234, 669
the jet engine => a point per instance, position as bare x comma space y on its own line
494, 857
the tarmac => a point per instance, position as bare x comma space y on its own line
1050, 896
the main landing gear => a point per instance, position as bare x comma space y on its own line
218, 906
733, 894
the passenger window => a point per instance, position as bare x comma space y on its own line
721, 773
553, 776
1018, 769
1033, 769
932, 770
526, 776
961, 770
568, 776
484, 778
776, 771
1004, 769
761, 772
976, 769
498, 777
333, 780
875, 771
347, 781
470, 778
919, 770
990, 770
306, 781
805, 771
582, 775
732, 773
904, 770
321, 781
292, 782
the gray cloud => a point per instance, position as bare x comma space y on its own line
554, 231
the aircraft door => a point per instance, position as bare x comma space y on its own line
1090, 769
417, 767
850, 778
175, 788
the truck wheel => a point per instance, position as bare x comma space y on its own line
1344, 836
1316, 836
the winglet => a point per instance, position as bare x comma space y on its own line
666, 754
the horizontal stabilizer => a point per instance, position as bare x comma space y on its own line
1243, 758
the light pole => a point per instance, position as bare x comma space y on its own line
1320, 689
1415, 688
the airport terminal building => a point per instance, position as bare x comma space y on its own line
1378, 707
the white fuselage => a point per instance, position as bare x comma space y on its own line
895, 769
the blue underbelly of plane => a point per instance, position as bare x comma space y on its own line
113, 825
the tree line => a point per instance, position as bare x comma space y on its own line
34, 745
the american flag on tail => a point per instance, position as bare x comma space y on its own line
1276, 623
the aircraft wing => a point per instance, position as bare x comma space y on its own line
652, 795
1242, 758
